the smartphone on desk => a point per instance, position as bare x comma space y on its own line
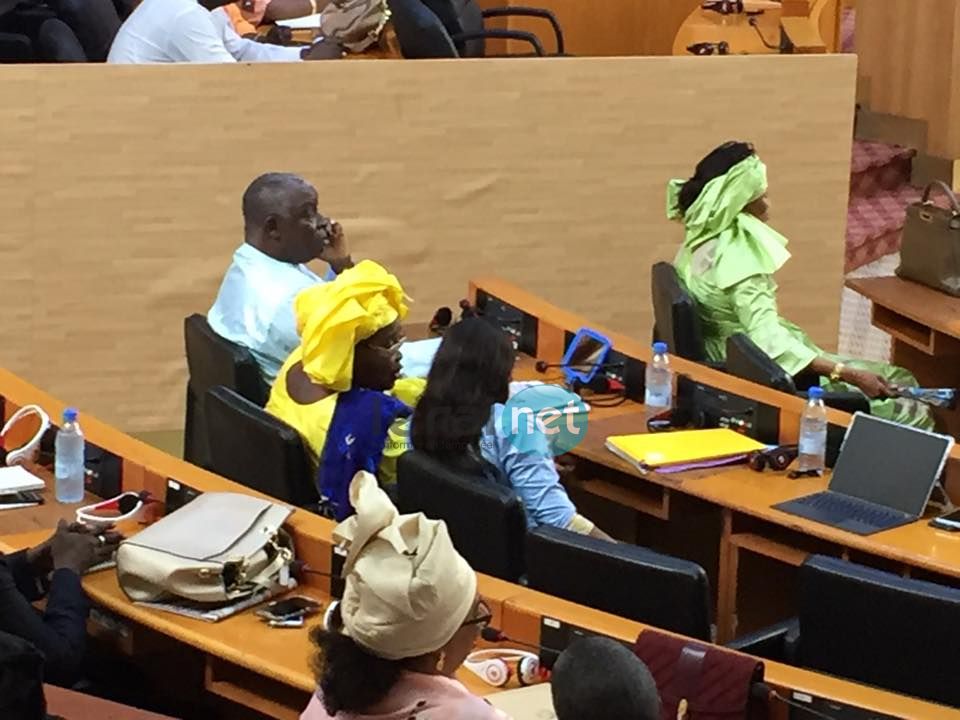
22, 498
289, 608
950, 523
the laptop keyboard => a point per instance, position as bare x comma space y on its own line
843, 507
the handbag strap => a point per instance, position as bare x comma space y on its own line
266, 577
947, 190
688, 673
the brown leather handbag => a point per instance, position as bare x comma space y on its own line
355, 24
701, 682
930, 249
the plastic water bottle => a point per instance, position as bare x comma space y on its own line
813, 433
659, 381
69, 468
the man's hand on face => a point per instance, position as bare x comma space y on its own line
335, 251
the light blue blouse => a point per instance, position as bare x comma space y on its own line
532, 475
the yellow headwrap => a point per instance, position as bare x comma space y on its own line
333, 317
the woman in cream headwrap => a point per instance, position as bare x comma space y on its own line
727, 262
332, 389
409, 617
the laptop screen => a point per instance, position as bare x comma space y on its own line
889, 464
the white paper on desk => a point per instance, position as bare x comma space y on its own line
307, 22
416, 357
529, 703
15, 479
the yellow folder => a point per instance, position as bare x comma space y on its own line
682, 448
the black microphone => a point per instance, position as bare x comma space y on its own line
495, 635
467, 310
724, 7
542, 365
786, 46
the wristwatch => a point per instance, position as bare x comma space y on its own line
836, 375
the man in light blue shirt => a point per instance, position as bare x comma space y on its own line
282, 231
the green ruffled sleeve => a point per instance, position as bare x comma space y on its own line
755, 299
673, 199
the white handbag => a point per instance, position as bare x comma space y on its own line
218, 548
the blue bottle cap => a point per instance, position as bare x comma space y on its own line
815, 393
70, 414
660, 348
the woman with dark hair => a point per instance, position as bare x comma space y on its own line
457, 421
409, 617
728, 260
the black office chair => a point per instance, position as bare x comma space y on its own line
420, 32
746, 360
676, 319
486, 520
625, 580
464, 22
250, 446
870, 626
211, 362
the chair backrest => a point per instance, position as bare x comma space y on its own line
420, 32
746, 360
486, 520
625, 580
213, 361
250, 446
675, 314
882, 629
461, 16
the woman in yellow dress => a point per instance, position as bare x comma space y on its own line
339, 389
727, 262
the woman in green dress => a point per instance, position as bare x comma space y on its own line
727, 262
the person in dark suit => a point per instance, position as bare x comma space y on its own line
53, 570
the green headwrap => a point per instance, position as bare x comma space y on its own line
746, 246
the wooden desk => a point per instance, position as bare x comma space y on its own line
244, 661
708, 26
812, 26
265, 669
42, 516
77, 706
523, 612
723, 518
925, 327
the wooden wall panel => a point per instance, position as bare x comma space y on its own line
910, 67
121, 190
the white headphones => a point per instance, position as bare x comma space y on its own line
125, 506
496, 667
328, 615
25, 453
